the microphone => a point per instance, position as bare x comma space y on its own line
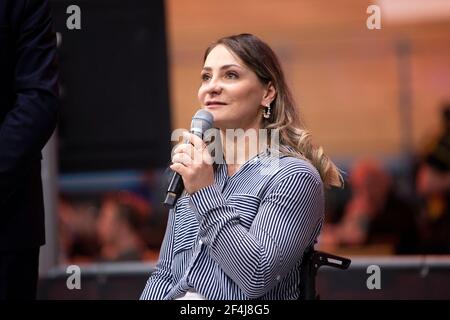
201, 122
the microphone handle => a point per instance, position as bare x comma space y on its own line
176, 187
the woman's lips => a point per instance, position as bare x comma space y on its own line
215, 105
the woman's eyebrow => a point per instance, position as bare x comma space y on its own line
223, 67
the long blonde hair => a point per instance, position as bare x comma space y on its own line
294, 139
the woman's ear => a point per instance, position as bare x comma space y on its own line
269, 94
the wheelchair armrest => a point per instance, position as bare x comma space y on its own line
320, 258
312, 261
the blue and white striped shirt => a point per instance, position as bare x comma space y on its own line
244, 236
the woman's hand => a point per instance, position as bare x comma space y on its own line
194, 163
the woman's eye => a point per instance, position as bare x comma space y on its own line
232, 75
205, 77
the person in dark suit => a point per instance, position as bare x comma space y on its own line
28, 116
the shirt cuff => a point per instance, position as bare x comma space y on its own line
206, 199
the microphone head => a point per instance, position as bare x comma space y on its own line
202, 121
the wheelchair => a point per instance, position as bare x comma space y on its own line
312, 261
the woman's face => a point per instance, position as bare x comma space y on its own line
231, 91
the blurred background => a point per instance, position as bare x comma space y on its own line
377, 100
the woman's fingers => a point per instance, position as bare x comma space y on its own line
179, 168
198, 143
193, 162
184, 148
182, 158
195, 148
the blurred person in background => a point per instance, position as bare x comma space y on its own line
121, 219
375, 214
28, 116
433, 186
78, 238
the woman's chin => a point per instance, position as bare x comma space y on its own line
219, 123
217, 115
224, 125
223, 120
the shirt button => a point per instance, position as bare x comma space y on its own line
278, 277
200, 242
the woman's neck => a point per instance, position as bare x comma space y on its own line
239, 146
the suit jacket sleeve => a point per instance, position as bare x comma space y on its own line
32, 119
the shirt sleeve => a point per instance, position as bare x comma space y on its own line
160, 281
287, 222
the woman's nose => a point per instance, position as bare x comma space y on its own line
214, 86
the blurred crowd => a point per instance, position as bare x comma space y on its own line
121, 226
372, 216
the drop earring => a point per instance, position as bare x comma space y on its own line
266, 112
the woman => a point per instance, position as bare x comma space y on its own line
238, 233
